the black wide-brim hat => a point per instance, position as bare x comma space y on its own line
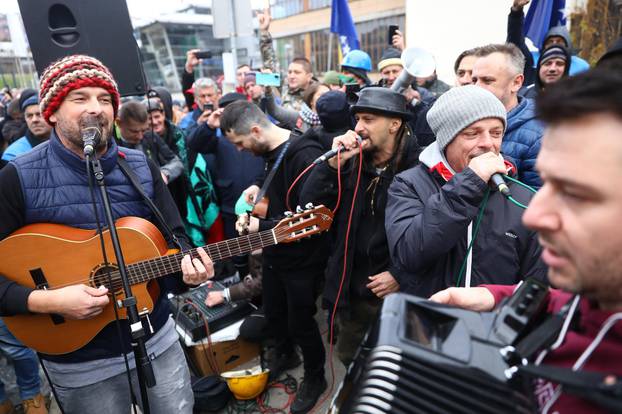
382, 101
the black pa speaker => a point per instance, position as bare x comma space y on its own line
98, 28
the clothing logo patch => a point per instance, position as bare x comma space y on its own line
510, 234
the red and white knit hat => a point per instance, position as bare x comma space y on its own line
70, 73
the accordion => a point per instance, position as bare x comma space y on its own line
423, 357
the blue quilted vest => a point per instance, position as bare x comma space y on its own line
55, 187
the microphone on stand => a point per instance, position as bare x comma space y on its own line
91, 136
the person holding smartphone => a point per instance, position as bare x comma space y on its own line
206, 95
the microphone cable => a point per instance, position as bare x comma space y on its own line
512, 199
306, 170
341, 283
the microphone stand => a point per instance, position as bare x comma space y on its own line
144, 370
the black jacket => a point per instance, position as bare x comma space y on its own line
368, 251
306, 253
427, 221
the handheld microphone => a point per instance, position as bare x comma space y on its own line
91, 136
330, 154
498, 181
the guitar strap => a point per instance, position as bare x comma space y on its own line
268, 180
131, 175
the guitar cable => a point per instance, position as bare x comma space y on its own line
89, 178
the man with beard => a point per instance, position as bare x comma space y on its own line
38, 130
49, 185
576, 214
436, 208
388, 147
292, 273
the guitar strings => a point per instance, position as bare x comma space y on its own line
159, 264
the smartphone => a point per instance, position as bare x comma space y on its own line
208, 107
392, 32
203, 54
268, 79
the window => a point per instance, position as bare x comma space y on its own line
373, 38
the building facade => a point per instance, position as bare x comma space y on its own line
302, 28
17, 69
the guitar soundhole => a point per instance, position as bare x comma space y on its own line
100, 277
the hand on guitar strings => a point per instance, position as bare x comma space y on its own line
197, 271
247, 224
72, 302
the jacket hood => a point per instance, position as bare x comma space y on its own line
538, 82
167, 101
523, 112
559, 31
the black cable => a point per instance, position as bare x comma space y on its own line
47, 375
89, 178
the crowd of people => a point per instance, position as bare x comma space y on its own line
414, 210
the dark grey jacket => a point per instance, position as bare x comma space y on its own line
427, 221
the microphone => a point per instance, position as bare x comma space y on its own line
91, 136
498, 181
330, 154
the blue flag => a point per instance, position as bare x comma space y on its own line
341, 23
542, 15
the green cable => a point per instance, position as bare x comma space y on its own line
517, 202
522, 184
480, 215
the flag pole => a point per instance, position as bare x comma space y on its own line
330, 51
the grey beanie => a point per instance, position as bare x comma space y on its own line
458, 108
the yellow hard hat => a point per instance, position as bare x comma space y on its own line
248, 383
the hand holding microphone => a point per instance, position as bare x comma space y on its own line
490, 167
349, 143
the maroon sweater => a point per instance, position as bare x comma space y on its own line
606, 358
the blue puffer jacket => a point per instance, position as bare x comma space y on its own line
20, 146
521, 142
52, 177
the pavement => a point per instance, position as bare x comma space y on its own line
277, 397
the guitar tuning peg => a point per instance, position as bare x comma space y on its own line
299, 209
289, 214
309, 206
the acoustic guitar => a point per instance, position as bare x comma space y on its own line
52, 256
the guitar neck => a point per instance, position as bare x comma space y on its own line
162, 266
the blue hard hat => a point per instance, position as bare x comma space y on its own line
357, 59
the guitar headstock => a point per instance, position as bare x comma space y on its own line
308, 222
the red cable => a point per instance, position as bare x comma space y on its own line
294, 183
343, 277
338, 182
291, 396
211, 359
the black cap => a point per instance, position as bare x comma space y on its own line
333, 111
229, 98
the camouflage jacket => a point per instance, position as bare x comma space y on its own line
290, 99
